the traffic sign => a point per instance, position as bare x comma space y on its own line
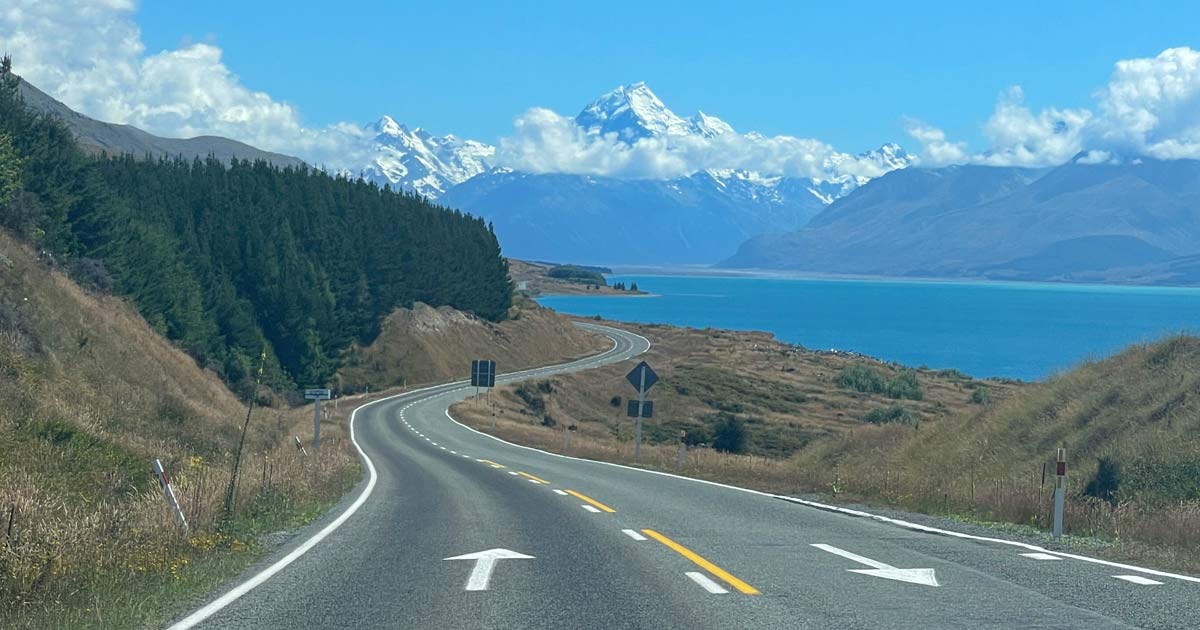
317, 394
642, 378
483, 373
647, 408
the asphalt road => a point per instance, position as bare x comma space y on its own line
614, 547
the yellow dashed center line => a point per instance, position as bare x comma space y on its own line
598, 505
533, 477
492, 463
702, 563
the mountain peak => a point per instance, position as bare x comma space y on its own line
631, 111
389, 127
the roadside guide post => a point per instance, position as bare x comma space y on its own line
169, 493
682, 447
1060, 490
316, 395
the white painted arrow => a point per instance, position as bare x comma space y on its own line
885, 571
485, 563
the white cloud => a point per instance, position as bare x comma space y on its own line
1150, 107
936, 150
546, 142
89, 54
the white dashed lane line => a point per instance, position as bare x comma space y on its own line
1137, 579
590, 508
706, 583
560, 492
633, 534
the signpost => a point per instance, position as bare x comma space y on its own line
316, 395
483, 374
642, 378
1060, 491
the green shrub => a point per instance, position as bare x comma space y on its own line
729, 435
1107, 481
889, 415
867, 380
862, 379
905, 385
981, 396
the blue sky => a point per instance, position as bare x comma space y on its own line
845, 73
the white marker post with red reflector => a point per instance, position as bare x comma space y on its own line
1060, 491
169, 493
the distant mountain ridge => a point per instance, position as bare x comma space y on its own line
699, 218
97, 136
1136, 221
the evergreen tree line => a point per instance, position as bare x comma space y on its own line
231, 260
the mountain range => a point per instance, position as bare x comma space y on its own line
1134, 220
699, 218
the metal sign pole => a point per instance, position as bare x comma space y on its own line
637, 444
1060, 492
316, 426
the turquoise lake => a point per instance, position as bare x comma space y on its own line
1016, 330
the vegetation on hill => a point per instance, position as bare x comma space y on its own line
575, 273
92, 395
229, 260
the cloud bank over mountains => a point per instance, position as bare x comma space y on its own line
90, 55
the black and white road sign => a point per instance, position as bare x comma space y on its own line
647, 408
642, 378
483, 373
316, 394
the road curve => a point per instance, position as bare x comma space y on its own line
615, 547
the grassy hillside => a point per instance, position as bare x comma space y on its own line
424, 345
92, 394
1137, 412
832, 424
780, 397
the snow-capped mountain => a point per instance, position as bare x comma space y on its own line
419, 161
634, 111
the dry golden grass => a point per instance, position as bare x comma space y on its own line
92, 394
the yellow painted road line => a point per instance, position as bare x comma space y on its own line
492, 463
532, 477
702, 563
597, 504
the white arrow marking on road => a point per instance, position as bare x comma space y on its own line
885, 571
485, 563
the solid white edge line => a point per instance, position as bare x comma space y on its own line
262, 576
833, 508
705, 583
1137, 579
633, 534
591, 508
